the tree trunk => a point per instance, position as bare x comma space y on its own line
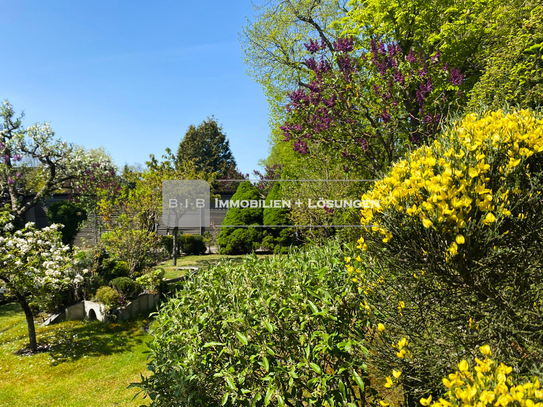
174, 248
29, 321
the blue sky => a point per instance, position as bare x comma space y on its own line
131, 76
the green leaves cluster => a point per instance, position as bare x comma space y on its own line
282, 331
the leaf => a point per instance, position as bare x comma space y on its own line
266, 363
242, 338
313, 307
268, 397
358, 381
224, 399
280, 401
315, 367
208, 344
268, 326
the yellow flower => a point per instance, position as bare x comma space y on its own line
426, 402
383, 403
347, 259
463, 366
460, 239
389, 382
396, 374
490, 218
380, 327
427, 223
485, 350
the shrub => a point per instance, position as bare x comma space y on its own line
124, 285
241, 240
151, 281
276, 239
108, 296
277, 331
192, 244
456, 250
69, 214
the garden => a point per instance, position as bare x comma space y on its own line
433, 296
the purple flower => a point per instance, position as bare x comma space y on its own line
435, 58
345, 153
411, 57
344, 45
301, 147
313, 46
330, 210
11, 181
456, 76
6, 159
311, 64
364, 144
420, 97
17, 157
446, 67
382, 49
385, 116
376, 90
19, 175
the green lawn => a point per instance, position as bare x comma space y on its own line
89, 363
203, 261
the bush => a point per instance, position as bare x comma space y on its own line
108, 296
456, 251
276, 239
151, 281
124, 285
277, 330
192, 244
69, 214
241, 240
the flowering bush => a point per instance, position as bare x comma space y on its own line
454, 250
34, 265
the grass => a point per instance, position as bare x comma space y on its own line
203, 261
88, 363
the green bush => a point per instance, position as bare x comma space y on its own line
151, 281
192, 244
124, 285
108, 296
456, 251
69, 214
276, 331
241, 240
276, 239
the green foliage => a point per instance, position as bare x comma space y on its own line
207, 146
151, 281
455, 251
108, 296
124, 285
192, 244
514, 73
69, 214
285, 330
276, 239
241, 240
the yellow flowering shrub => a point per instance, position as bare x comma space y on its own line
452, 257
487, 383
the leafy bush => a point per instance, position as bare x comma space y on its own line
69, 214
277, 331
151, 280
454, 252
108, 296
124, 285
241, 240
192, 244
276, 239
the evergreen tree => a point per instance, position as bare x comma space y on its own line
242, 240
207, 146
276, 239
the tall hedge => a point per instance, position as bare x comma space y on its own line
276, 239
242, 240
71, 215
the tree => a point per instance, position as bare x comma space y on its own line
207, 146
33, 264
277, 239
69, 214
242, 239
56, 162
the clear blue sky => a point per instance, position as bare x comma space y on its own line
131, 76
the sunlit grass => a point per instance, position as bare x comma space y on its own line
88, 364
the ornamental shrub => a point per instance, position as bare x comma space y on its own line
279, 331
151, 281
453, 255
108, 296
276, 239
241, 240
192, 244
124, 285
71, 215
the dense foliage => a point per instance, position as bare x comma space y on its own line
281, 331
69, 214
192, 244
276, 239
243, 239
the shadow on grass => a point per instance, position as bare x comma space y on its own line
92, 339
10, 310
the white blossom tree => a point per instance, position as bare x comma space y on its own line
53, 162
33, 264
